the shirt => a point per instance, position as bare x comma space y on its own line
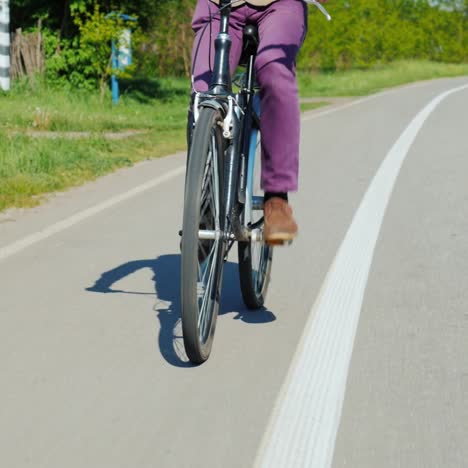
251, 2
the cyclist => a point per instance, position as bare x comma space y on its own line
282, 28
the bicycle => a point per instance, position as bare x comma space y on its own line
222, 203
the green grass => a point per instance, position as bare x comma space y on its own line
160, 107
364, 82
31, 167
307, 106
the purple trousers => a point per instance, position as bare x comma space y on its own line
282, 29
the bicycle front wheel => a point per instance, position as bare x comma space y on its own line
203, 259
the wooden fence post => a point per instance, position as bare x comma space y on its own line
27, 54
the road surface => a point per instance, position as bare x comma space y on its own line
359, 359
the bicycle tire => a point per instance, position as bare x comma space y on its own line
255, 258
203, 209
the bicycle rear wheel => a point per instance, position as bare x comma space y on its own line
255, 258
203, 260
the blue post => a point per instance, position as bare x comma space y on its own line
114, 81
121, 54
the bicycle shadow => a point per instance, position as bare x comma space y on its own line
166, 278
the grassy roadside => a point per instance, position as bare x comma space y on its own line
364, 82
307, 106
32, 166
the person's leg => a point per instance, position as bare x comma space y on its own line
282, 29
206, 23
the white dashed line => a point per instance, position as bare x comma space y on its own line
32, 239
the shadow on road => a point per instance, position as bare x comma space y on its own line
166, 277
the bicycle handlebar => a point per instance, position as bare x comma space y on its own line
227, 4
320, 7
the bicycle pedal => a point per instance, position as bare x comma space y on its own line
279, 243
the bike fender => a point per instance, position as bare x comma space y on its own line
213, 104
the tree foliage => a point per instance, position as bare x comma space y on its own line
366, 32
24, 13
362, 33
169, 42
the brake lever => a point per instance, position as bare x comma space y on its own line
321, 8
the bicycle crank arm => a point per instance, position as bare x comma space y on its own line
256, 235
212, 235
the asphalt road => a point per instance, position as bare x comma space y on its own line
359, 360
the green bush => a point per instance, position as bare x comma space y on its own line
84, 61
365, 32
362, 33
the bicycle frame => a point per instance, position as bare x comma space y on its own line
222, 207
237, 111
221, 84
240, 115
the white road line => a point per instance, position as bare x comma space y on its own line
32, 239
304, 424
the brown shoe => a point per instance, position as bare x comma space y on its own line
280, 226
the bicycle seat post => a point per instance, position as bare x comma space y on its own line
221, 79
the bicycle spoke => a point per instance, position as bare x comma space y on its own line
260, 274
206, 189
203, 316
208, 250
205, 264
